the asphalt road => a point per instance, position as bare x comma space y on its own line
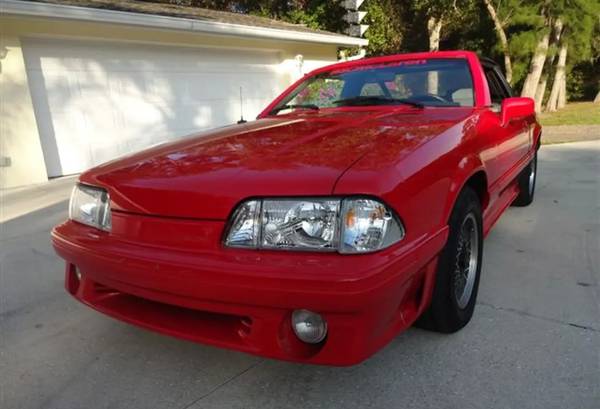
534, 341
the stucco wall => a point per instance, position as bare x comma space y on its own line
20, 137
21, 159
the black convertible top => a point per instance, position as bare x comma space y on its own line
488, 61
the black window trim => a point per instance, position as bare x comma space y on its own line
497, 92
494, 67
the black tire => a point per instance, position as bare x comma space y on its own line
526, 182
444, 313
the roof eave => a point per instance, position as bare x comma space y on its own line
65, 12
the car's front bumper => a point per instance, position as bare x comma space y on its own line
173, 276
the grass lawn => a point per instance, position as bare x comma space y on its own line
578, 113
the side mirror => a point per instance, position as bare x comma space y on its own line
516, 108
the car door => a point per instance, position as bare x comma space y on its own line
511, 140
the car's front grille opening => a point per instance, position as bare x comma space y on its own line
187, 323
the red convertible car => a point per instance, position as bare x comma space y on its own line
354, 206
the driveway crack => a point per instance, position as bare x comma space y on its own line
539, 317
221, 385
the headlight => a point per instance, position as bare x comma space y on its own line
90, 205
351, 225
310, 224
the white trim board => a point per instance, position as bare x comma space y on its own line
64, 12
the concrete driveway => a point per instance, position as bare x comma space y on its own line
534, 341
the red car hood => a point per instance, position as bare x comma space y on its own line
206, 175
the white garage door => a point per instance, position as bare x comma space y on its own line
97, 101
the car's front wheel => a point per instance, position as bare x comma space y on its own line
459, 268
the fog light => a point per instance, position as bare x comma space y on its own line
310, 327
78, 273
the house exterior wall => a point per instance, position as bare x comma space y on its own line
21, 158
20, 135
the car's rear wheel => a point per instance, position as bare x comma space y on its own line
459, 268
526, 182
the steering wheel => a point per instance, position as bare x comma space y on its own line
431, 98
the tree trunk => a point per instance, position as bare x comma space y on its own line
536, 67
548, 66
597, 99
434, 29
562, 95
540, 92
503, 39
559, 77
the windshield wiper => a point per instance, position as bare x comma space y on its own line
376, 100
295, 106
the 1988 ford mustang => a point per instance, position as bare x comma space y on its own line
354, 206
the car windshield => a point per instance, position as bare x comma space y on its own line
418, 83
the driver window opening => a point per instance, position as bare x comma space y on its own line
497, 91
